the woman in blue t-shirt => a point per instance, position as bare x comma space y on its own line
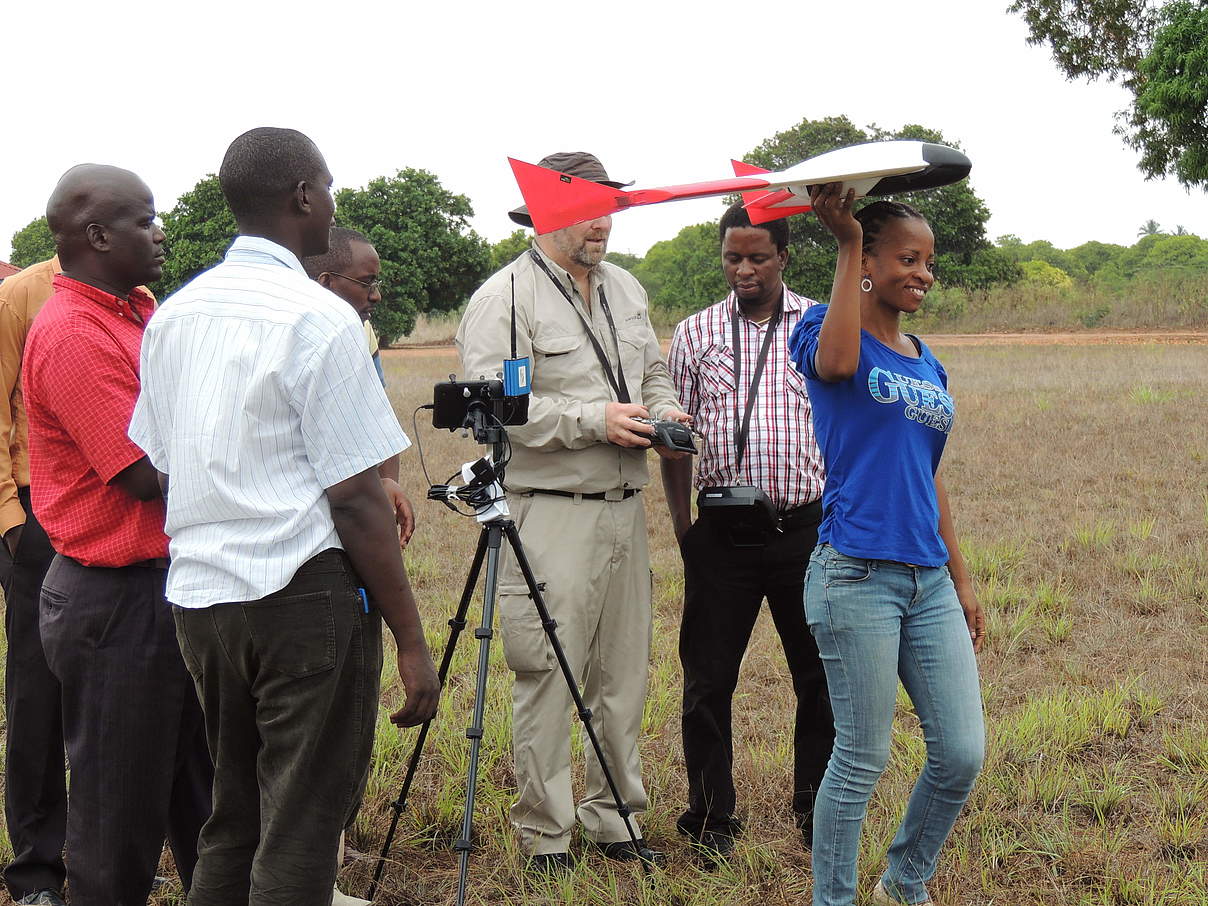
887, 593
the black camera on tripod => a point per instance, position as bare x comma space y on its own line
455, 404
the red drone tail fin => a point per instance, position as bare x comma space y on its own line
760, 204
556, 200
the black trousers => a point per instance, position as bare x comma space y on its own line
724, 586
133, 727
35, 786
289, 684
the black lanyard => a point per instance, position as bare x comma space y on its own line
618, 387
740, 434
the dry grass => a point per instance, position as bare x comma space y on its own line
1080, 484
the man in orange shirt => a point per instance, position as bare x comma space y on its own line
35, 791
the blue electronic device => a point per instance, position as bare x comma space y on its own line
517, 372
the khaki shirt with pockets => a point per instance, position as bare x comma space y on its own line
564, 446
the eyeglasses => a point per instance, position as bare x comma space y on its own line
374, 286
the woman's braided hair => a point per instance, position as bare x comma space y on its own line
874, 216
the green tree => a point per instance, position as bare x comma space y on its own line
509, 248
623, 259
684, 274
200, 228
1169, 119
1040, 273
1149, 228
431, 259
1093, 256
1158, 51
33, 243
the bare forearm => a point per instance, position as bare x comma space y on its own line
838, 353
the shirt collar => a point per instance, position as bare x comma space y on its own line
258, 250
140, 300
790, 301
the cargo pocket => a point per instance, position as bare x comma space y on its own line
525, 645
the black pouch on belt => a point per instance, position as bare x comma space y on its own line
743, 513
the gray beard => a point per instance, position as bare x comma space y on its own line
585, 258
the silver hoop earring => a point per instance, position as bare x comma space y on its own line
866, 285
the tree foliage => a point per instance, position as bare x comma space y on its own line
199, 229
1091, 38
431, 259
684, 274
1158, 51
509, 248
1169, 120
33, 243
1105, 264
622, 259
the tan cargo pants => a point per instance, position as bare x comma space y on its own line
592, 556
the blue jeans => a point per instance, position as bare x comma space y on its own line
876, 621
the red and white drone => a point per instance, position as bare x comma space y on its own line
556, 200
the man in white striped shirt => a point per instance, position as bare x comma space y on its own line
260, 404
731, 368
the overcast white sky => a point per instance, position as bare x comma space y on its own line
662, 92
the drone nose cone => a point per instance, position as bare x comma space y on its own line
944, 166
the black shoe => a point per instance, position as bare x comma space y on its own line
624, 851
713, 848
550, 864
46, 897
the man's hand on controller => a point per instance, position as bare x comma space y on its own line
621, 428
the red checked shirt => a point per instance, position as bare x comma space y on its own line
80, 382
782, 456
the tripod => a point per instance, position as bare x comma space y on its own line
485, 492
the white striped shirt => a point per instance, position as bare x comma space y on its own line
257, 394
782, 455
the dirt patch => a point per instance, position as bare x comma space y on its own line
1081, 338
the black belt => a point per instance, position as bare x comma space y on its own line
806, 514
153, 563
598, 495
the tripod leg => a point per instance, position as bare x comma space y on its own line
483, 633
550, 625
456, 625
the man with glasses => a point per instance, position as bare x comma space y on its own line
351, 269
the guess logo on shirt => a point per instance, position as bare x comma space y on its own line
923, 401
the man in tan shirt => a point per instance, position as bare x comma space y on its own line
35, 800
574, 479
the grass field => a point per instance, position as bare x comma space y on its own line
1079, 478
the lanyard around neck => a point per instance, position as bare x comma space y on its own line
615, 380
740, 433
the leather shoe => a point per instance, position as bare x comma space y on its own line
624, 851
712, 848
550, 864
45, 897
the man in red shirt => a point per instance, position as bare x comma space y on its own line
131, 721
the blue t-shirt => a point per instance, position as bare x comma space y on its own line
882, 433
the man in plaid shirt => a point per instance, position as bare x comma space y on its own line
731, 369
